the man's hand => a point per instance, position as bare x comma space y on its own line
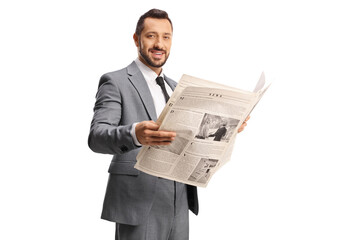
147, 134
242, 127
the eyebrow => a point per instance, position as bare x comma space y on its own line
158, 33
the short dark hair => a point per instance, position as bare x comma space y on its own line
153, 13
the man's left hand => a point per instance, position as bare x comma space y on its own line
242, 127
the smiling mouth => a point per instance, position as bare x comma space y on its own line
157, 54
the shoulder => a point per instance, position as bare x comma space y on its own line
114, 76
118, 76
171, 82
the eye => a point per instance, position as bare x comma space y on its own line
151, 36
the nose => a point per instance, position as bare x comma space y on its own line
159, 43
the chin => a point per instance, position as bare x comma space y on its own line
157, 63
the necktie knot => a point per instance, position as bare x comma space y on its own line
160, 81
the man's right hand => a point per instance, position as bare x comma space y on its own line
147, 134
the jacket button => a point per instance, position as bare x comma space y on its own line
123, 148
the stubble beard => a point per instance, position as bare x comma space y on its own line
148, 59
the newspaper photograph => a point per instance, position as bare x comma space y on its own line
205, 116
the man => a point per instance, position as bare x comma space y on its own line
220, 133
128, 102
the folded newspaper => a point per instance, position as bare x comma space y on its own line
205, 116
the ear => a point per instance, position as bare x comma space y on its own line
136, 40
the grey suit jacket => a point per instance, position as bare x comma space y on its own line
123, 98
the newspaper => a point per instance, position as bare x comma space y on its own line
205, 116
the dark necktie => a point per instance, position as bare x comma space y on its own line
160, 82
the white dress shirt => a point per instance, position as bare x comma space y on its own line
155, 90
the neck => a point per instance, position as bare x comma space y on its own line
157, 70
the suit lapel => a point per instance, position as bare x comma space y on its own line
138, 81
172, 86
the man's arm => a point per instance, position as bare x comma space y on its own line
107, 136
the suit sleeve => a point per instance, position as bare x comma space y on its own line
106, 134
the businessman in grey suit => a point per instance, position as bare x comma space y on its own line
127, 105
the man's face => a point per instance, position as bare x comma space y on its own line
155, 42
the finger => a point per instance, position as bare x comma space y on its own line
247, 118
160, 143
155, 136
150, 125
242, 127
155, 142
159, 139
160, 134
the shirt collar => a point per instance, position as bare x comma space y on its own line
148, 73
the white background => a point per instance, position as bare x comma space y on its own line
295, 171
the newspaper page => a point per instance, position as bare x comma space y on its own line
205, 116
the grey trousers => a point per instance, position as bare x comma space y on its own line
168, 218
